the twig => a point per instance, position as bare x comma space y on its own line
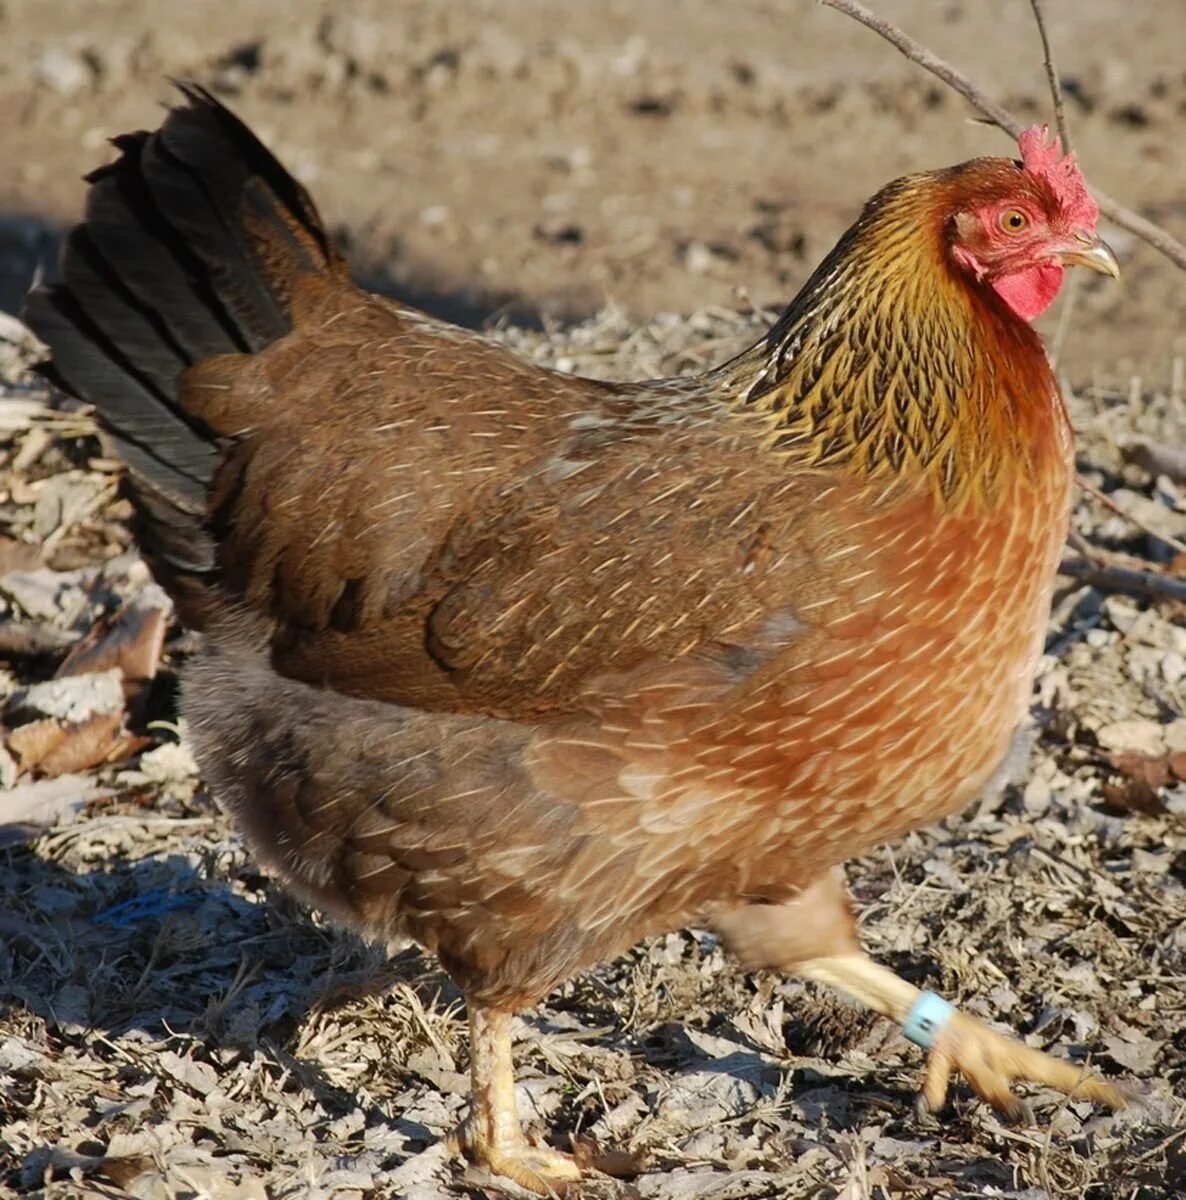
1154, 235
1068, 304
1121, 511
1070, 293
1124, 579
1052, 77
918, 53
1085, 549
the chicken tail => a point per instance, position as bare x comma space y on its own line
194, 243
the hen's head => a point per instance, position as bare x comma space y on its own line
1017, 225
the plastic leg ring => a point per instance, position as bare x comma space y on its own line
926, 1019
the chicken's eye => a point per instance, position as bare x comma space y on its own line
1013, 220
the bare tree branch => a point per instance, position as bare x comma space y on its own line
1131, 581
1052, 77
1154, 235
1105, 576
1070, 293
1131, 518
918, 53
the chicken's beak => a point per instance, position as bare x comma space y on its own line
1090, 250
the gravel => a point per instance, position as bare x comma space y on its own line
172, 1024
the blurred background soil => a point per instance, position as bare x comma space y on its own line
549, 157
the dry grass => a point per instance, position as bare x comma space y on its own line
172, 1025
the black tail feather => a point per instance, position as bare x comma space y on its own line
194, 240
158, 445
154, 262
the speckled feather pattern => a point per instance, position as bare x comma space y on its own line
529, 666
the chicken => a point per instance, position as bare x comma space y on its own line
528, 666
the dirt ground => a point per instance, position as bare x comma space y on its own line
555, 156
172, 1025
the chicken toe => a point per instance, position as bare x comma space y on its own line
992, 1063
537, 1168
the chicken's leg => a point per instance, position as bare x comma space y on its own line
491, 1135
989, 1061
814, 936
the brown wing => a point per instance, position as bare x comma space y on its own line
432, 521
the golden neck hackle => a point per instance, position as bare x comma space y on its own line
892, 365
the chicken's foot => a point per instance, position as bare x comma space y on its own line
814, 936
491, 1136
989, 1061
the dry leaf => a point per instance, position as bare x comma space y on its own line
29, 808
1144, 778
54, 747
131, 641
32, 742
18, 556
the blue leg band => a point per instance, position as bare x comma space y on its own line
926, 1019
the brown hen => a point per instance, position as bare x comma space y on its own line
529, 666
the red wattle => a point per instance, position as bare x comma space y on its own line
1029, 293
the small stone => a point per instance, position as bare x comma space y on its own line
705, 1095
1121, 613
1133, 737
63, 72
1150, 863
1144, 663
1173, 667
698, 258
621, 1119
1036, 796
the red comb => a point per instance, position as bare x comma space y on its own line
1061, 173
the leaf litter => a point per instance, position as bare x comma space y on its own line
172, 1024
